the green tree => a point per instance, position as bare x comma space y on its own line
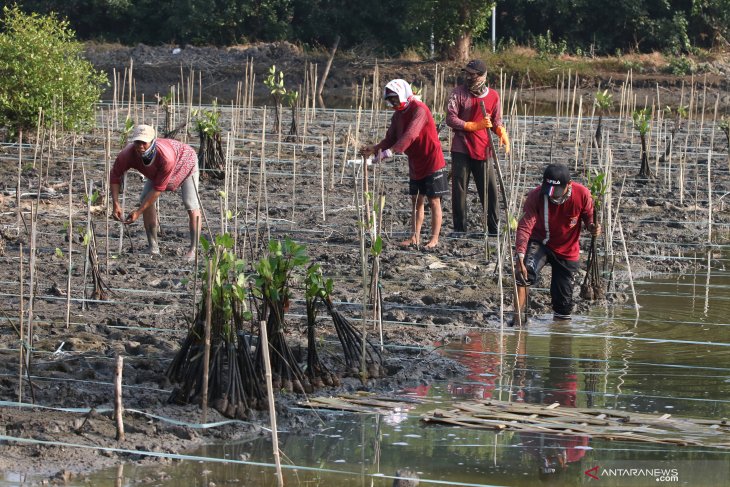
41, 68
453, 23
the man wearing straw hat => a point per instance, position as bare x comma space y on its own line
548, 233
168, 165
473, 109
413, 131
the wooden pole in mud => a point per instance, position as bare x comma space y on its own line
272, 405
20, 320
118, 406
321, 177
206, 350
70, 236
628, 267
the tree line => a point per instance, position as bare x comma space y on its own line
445, 28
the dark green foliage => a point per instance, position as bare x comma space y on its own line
390, 27
41, 68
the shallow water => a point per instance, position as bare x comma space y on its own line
675, 358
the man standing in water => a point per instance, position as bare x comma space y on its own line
168, 165
470, 147
548, 233
413, 131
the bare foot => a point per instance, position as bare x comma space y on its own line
154, 248
431, 244
189, 255
408, 243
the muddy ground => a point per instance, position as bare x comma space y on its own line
428, 296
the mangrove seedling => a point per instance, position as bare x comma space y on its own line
642, 123
317, 290
274, 276
677, 116
210, 154
234, 384
593, 287
275, 83
603, 103
292, 99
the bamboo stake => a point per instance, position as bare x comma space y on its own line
628, 267
70, 237
32, 274
20, 320
321, 177
118, 405
206, 350
272, 405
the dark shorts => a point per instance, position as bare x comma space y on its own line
561, 284
434, 185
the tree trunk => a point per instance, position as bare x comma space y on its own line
461, 48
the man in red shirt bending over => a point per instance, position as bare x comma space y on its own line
413, 131
548, 233
168, 165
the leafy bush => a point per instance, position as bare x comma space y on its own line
681, 65
41, 68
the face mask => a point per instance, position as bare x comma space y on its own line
564, 197
477, 86
149, 154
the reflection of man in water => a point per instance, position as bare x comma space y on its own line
560, 384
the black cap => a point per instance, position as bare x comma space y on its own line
476, 66
555, 176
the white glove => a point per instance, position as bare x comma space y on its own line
383, 155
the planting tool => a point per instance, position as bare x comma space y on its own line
500, 180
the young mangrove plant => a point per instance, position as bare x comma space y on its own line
292, 99
234, 384
274, 277
679, 114
275, 83
642, 123
593, 287
317, 290
603, 103
210, 154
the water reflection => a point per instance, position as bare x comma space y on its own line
673, 359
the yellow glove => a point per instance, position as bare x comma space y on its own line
503, 138
482, 124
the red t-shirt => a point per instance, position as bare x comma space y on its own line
559, 227
413, 132
173, 162
464, 107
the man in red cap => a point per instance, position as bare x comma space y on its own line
168, 165
473, 109
548, 234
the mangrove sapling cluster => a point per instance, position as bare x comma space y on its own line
210, 154
274, 276
352, 349
275, 83
593, 287
642, 123
101, 289
234, 384
317, 289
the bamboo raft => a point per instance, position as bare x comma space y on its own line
361, 403
607, 424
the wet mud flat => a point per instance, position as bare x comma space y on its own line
428, 296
